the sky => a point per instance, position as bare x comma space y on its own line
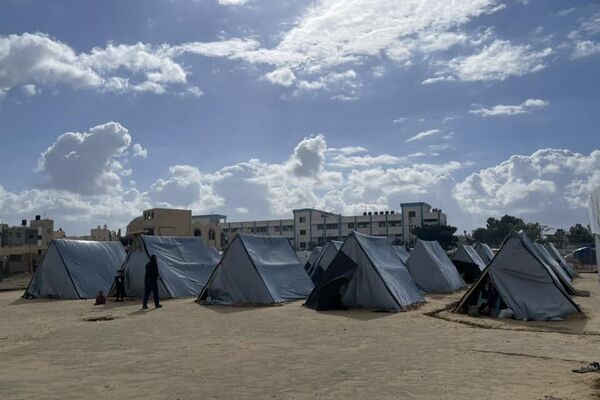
252, 108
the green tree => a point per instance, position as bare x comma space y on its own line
497, 229
558, 238
444, 234
579, 234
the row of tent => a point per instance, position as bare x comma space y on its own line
253, 270
363, 271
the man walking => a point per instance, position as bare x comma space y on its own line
151, 282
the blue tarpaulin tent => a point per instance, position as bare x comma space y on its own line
257, 270
76, 269
184, 265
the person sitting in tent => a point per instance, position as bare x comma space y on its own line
151, 282
100, 299
120, 285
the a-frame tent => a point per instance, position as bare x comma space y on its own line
76, 269
551, 261
402, 253
313, 257
468, 263
553, 251
184, 265
257, 270
432, 270
325, 258
484, 251
524, 282
365, 273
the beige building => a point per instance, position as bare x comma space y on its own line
209, 228
22, 247
161, 222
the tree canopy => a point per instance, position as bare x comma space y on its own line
444, 234
497, 229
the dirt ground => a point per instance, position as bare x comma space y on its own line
52, 349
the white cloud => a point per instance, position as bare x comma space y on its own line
194, 91
87, 163
224, 48
309, 157
588, 27
550, 185
423, 135
333, 34
186, 187
585, 48
498, 61
139, 151
233, 2
430, 81
343, 161
34, 60
29, 90
348, 150
282, 77
526, 107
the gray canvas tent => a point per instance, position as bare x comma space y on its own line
432, 270
76, 269
302, 256
313, 257
523, 282
184, 265
257, 270
402, 253
484, 251
553, 251
468, 263
325, 258
551, 261
367, 273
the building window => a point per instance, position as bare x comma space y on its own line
302, 245
302, 231
332, 226
261, 229
212, 234
302, 220
275, 229
350, 225
197, 232
382, 224
288, 228
363, 225
431, 220
412, 214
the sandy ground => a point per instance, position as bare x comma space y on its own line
51, 349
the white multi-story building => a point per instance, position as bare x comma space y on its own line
310, 227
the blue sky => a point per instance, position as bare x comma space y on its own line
253, 108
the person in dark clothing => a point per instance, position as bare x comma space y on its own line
151, 282
120, 285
